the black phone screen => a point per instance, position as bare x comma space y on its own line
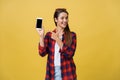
39, 23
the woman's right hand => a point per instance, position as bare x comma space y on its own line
40, 32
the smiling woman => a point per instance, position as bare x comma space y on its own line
60, 46
96, 23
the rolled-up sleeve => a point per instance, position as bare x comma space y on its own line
43, 50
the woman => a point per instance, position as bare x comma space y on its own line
60, 45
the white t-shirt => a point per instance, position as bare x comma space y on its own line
57, 61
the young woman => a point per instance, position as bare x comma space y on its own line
60, 46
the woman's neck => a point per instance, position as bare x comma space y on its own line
59, 31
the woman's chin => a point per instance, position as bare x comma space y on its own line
64, 26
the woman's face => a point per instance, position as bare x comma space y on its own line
62, 20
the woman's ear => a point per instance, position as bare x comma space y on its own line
55, 19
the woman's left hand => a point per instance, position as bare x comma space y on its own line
54, 36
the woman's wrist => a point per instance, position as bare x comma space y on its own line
42, 42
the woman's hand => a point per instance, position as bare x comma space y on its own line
55, 36
40, 32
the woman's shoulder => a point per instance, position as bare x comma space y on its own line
48, 34
73, 33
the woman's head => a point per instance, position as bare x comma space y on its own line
61, 20
61, 17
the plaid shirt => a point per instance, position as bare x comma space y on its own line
68, 67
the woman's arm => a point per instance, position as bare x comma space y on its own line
67, 51
43, 45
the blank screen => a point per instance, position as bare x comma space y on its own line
39, 23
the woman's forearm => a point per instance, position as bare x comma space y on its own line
41, 42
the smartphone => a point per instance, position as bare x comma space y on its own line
39, 23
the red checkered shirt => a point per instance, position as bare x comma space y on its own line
68, 67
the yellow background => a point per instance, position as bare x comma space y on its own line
96, 22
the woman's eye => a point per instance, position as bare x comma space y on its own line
66, 17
